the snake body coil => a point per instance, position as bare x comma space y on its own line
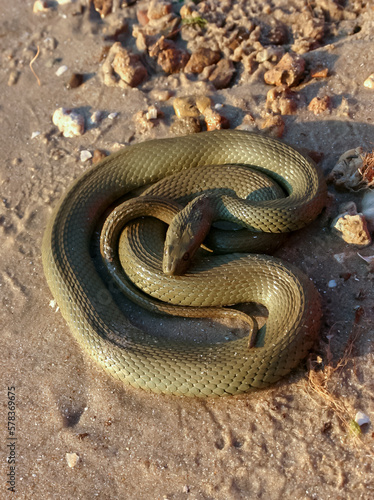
185, 368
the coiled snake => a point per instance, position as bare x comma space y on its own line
181, 367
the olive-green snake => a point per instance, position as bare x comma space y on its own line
182, 367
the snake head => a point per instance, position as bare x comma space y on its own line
186, 232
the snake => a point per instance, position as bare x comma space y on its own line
98, 321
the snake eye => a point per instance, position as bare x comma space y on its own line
186, 256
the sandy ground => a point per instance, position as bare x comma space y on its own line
283, 442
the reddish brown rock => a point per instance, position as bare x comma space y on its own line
200, 59
320, 104
158, 9
222, 74
281, 100
289, 71
215, 121
171, 58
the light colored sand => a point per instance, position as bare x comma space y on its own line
132, 445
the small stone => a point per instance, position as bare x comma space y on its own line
85, 155
152, 113
129, 68
281, 100
332, 284
122, 68
319, 72
69, 122
361, 418
274, 126
75, 81
270, 54
160, 95
185, 126
185, 106
203, 103
103, 7
369, 82
98, 155
61, 70
222, 74
35, 134
158, 9
200, 59
113, 115
353, 229
72, 459
40, 6
215, 121
320, 105
171, 58
13, 77
289, 71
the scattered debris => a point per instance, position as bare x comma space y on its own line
222, 74
346, 173
122, 68
352, 228
185, 126
289, 71
367, 168
320, 105
103, 7
85, 155
369, 82
98, 155
72, 459
32, 62
61, 70
75, 81
200, 59
169, 57
281, 100
274, 125
361, 418
69, 122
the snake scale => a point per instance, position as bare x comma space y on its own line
182, 367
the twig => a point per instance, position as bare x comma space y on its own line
32, 62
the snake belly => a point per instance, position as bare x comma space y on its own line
185, 368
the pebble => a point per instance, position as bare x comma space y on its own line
103, 7
75, 81
85, 155
332, 284
214, 120
320, 104
281, 100
289, 71
98, 155
361, 418
72, 459
113, 115
122, 68
200, 59
61, 70
367, 206
185, 107
222, 74
40, 6
185, 126
169, 57
369, 82
353, 229
69, 122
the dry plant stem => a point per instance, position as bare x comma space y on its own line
32, 62
317, 382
